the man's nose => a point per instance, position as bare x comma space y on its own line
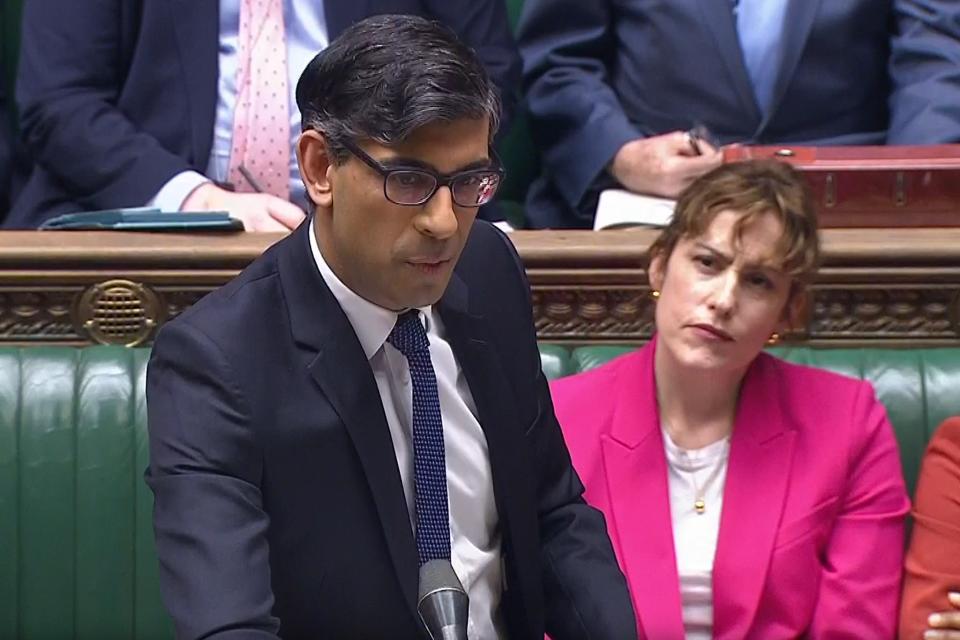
438, 218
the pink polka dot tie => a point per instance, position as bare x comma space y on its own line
261, 120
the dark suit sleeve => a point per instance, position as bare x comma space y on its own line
6, 153
74, 55
925, 72
484, 26
576, 118
205, 469
585, 592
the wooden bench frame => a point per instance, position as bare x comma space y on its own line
876, 287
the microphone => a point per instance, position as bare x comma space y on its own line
442, 603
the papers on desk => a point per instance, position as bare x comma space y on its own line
143, 219
619, 208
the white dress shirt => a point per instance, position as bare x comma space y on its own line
306, 34
695, 534
474, 522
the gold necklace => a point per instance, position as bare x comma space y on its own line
699, 502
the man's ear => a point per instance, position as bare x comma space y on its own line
316, 165
656, 271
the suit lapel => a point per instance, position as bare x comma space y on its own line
636, 473
718, 18
761, 454
196, 25
516, 505
798, 22
337, 363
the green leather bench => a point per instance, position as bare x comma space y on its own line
76, 543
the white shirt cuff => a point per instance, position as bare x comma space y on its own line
175, 191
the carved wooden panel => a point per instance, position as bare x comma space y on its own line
595, 313
862, 313
114, 311
886, 312
876, 286
178, 300
42, 314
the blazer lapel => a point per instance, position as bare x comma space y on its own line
516, 504
718, 17
761, 454
636, 473
337, 363
800, 15
196, 25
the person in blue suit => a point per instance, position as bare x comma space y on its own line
129, 103
613, 85
6, 155
6, 138
367, 396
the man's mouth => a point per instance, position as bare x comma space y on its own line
428, 265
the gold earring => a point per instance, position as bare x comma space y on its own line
654, 294
774, 338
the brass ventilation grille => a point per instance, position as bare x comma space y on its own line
119, 312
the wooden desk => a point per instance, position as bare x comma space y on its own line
876, 286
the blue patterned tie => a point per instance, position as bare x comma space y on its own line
429, 460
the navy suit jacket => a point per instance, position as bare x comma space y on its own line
279, 508
6, 134
6, 154
598, 74
118, 96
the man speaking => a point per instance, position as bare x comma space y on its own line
366, 398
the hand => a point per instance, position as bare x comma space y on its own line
257, 211
945, 625
663, 165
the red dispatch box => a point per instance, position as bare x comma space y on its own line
883, 186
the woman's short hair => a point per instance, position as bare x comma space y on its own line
751, 188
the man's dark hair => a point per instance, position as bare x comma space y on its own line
386, 76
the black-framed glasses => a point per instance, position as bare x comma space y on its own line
412, 186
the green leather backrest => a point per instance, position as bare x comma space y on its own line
513, 10
77, 558
517, 151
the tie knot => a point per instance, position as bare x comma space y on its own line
408, 335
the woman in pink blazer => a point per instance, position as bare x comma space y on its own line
746, 497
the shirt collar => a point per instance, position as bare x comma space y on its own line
372, 323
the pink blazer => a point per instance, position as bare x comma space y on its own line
811, 534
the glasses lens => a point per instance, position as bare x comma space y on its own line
475, 188
409, 187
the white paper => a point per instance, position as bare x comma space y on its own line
622, 208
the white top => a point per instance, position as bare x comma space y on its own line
695, 534
474, 522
